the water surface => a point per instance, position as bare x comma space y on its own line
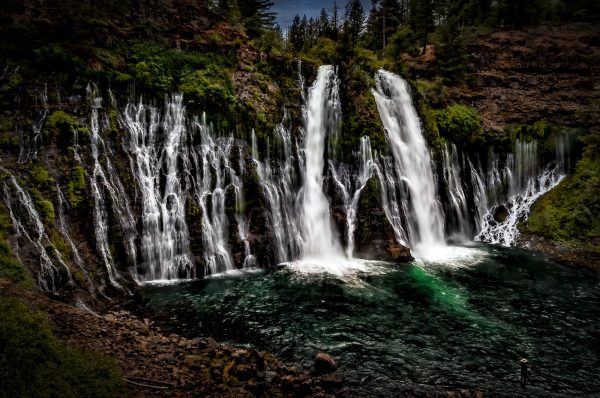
463, 321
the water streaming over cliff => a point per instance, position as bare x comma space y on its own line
526, 181
185, 212
411, 164
156, 146
321, 115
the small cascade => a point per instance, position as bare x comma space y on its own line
458, 215
103, 182
165, 242
212, 177
525, 184
479, 195
64, 231
240, 217
346, 182
321, 119
278, 180
29, 144
411, 165
50, 277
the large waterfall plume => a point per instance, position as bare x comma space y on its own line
321, 115
412, 169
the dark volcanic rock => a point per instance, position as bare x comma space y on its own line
324, 363
374, 237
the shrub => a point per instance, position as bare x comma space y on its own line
33, 363
459, 123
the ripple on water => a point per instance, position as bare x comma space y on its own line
462, 321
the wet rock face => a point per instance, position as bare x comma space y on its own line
374, 236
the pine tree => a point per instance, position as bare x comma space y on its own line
354, 20
421, 19
256, 16
296, 35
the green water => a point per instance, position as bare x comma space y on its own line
463, 323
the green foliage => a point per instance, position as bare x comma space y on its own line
10, 267
201, 86
33, 363
13, 80
44, 206
9, 140
40, 175
450, 52
325, 51
433, 91
570, 213
76, 187
204, 78
430, 126
459, 123
400, 42
61, 126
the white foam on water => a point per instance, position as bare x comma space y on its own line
450, 256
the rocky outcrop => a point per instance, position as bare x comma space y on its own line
374, 236
546, 73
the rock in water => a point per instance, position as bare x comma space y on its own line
324, 363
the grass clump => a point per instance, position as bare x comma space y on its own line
34, 363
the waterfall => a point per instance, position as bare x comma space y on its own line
347, 182
213, 174
64, 231
278, 180
107, 181
164, 244
29, 145
458, 216
411, 164
49, 276
525, 182
321, 115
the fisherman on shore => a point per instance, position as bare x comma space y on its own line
524, 370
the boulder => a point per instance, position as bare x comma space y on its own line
324, 363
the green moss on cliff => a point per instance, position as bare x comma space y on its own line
76, 187
10, 267
570, 213
34, 363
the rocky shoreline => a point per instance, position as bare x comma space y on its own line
157, 364
561, 253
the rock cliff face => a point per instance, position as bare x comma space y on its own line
64, 169
549, 73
